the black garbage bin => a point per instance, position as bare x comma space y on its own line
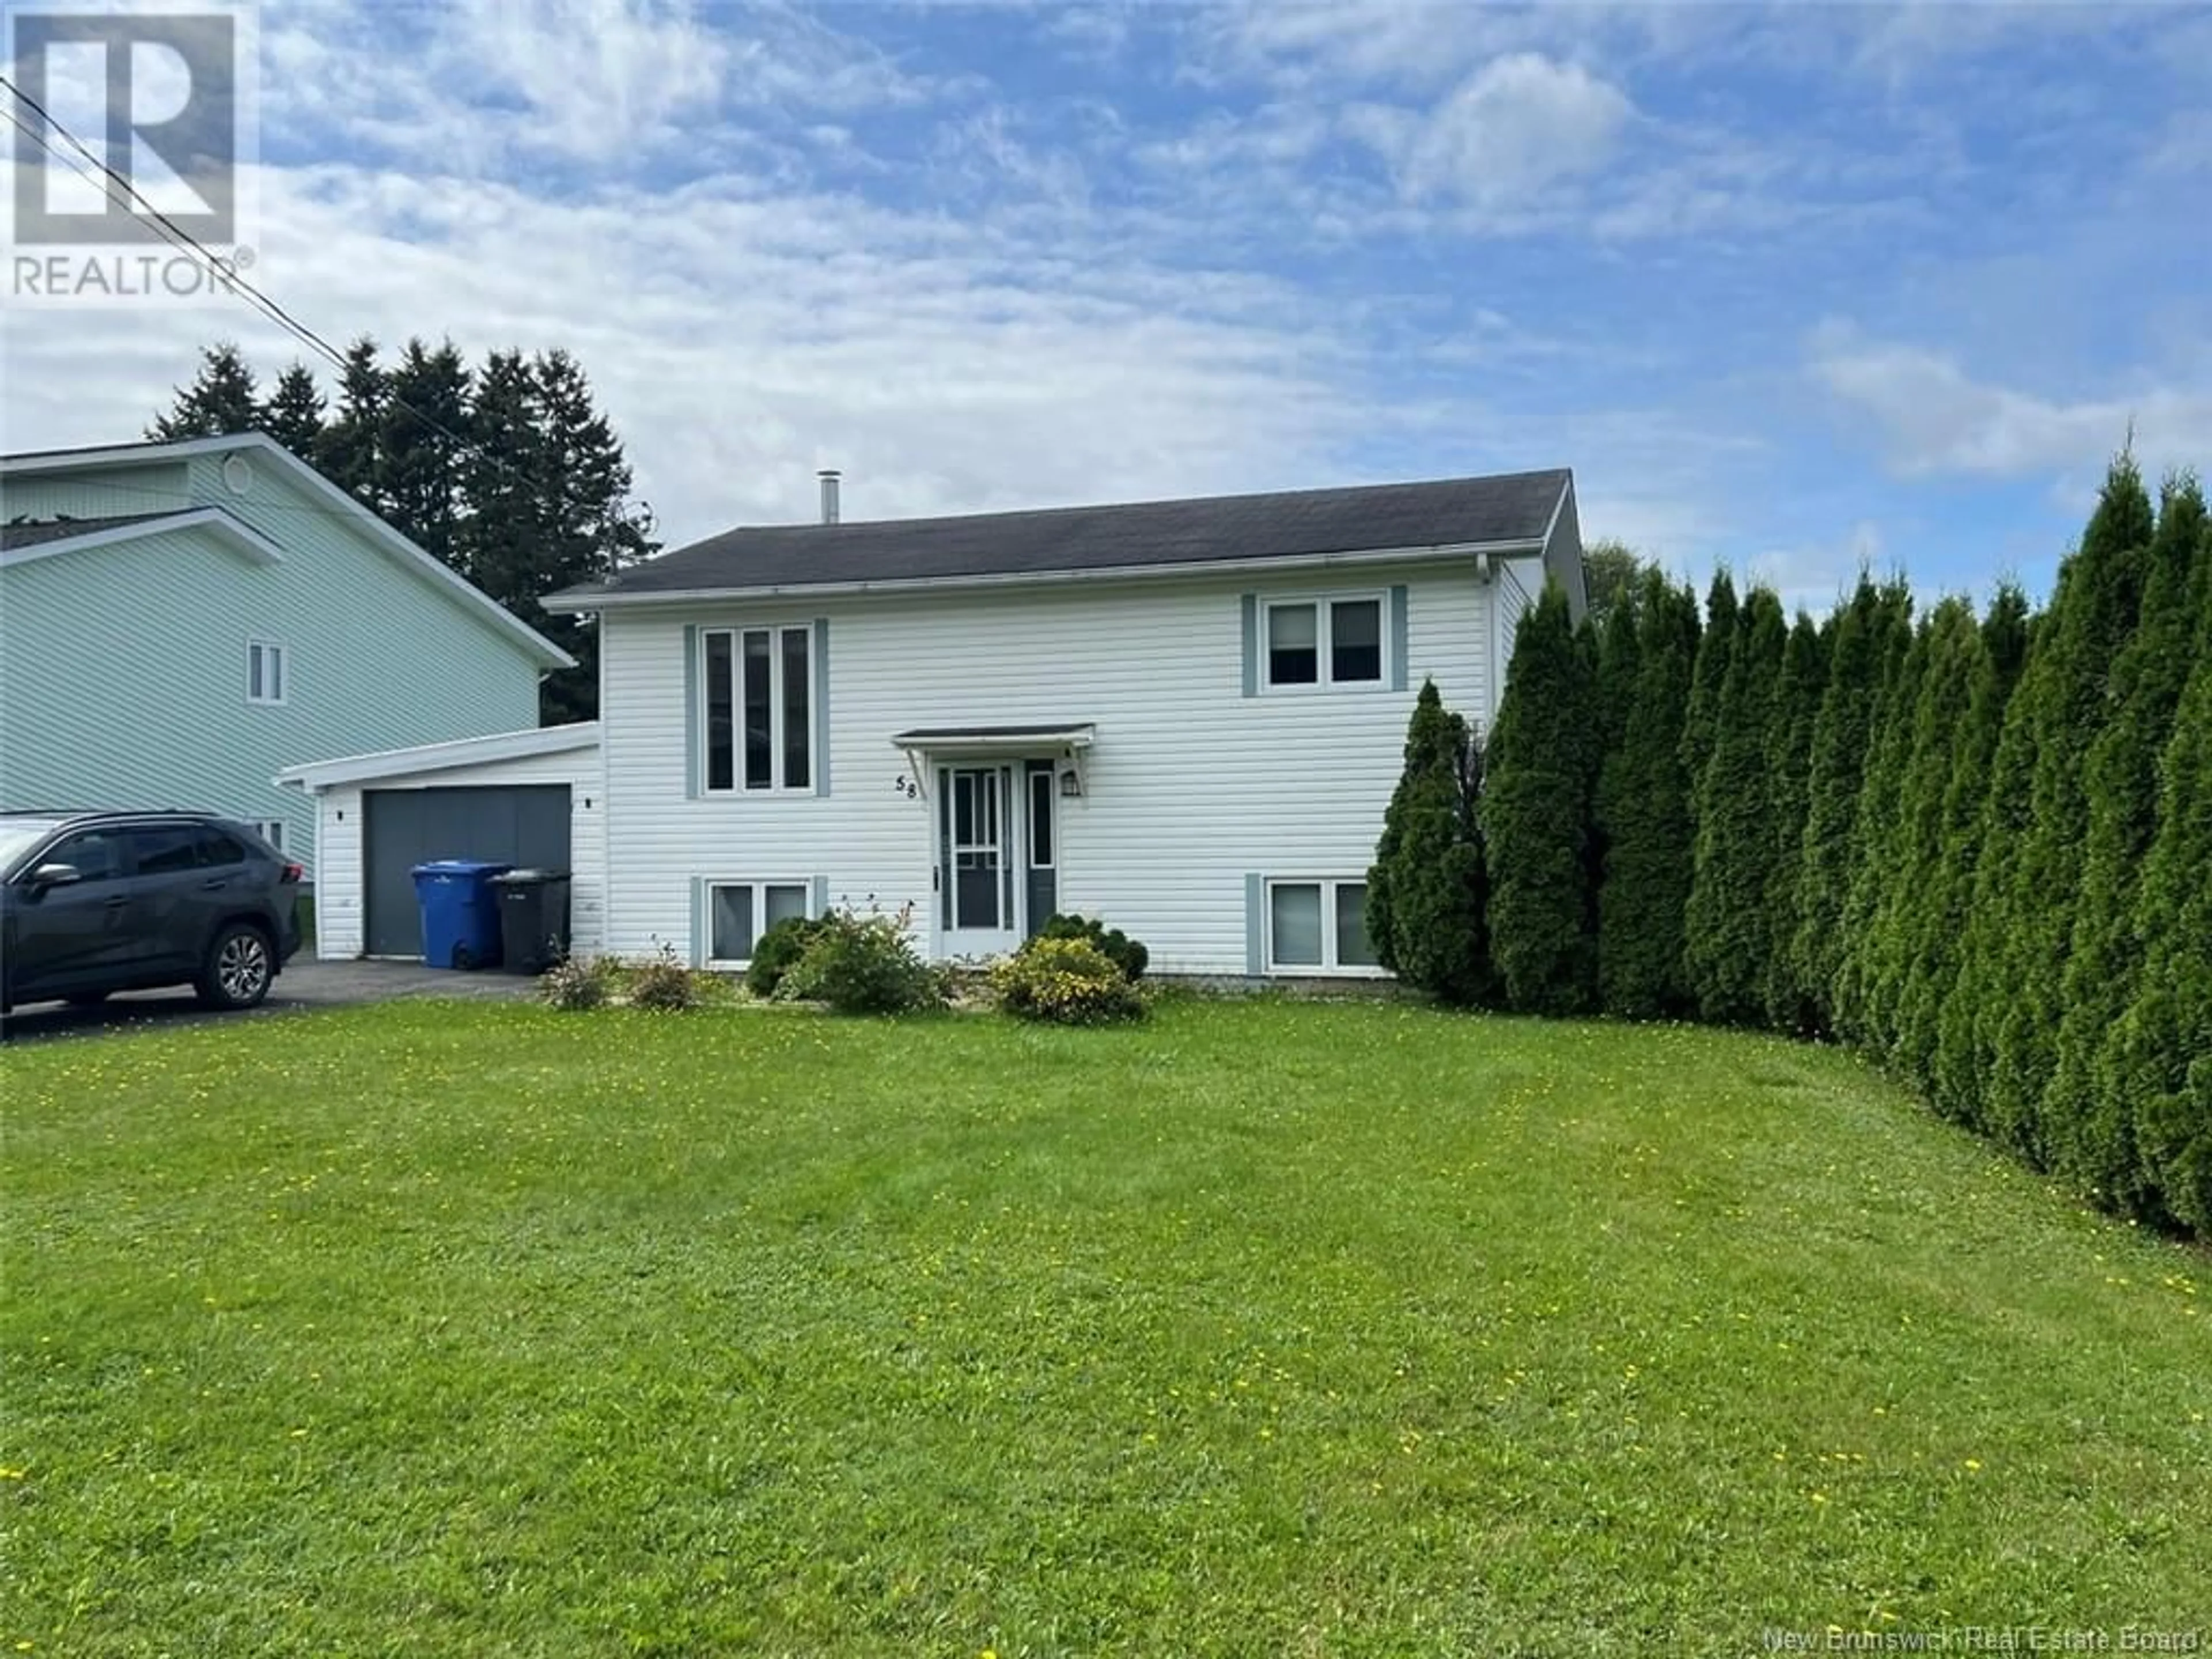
533, 918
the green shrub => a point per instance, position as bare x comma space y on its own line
661, 982
575, 984
775, 953
863, 964
1125, 953
1066, 982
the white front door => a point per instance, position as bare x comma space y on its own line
978, 907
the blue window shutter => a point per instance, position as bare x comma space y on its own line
1251, 645
822, 705
700, 945
1256, 922
1398, 635
694, 715
820, 895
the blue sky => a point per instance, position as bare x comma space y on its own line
1790, 287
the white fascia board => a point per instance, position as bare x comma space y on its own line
267, 448
316, 776
243, 539
808, 591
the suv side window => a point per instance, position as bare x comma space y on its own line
215, 848
165, 849
97, 854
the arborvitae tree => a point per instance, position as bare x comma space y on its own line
1726, 932
1875, 841
1966, 1029
2157, 1059
1543, 764
1900, 862
1835, 769
1788, 759
2090, 1131
294, 414
1428, 889
1645, 810
222, 398
420, 445
2065, 700
1933, 909
346, 453
1714, 647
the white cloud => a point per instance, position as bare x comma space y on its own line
1935, 418
1815, 577
1518, 125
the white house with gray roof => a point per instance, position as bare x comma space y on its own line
1183, 717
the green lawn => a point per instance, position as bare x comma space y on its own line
1265, 1328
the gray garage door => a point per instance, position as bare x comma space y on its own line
522, 824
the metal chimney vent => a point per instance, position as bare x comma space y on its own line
828, 476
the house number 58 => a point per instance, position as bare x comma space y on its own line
907, 787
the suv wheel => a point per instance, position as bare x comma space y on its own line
238, 968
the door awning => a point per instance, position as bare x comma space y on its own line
1064, 741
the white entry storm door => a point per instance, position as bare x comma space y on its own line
979, 860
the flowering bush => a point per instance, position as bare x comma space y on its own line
863, 964
574, 983
661, 982
1066, 982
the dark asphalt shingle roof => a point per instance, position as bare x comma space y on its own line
15, 536
1143, 535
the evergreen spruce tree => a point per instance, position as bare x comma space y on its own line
347, 451
2090, 1131
1644, 808
1875, 844
294, 414
1934, 912
2066, 699
1901, 863
222, 399
419, 447
1536, 806
2157, 1060
1797, 695
1428, 888
593, 531
1726, 931
1714, 646
506, 517
1835, 769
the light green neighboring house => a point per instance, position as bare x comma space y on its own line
180, 622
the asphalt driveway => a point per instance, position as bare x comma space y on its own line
305, 983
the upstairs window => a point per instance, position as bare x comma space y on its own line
1324, 642
759, 725
266, 672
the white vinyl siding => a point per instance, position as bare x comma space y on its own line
1189, 784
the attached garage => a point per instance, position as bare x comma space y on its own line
528, 799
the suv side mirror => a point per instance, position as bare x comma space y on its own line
53, 875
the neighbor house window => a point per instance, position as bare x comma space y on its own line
266, 672
1331, 642
739, 912
759, 725
1318, 927
270, 831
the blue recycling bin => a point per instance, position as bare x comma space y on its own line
461, 912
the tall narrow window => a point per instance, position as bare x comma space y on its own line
721, 690
797, 727
1294, 645
1355, 641
760, 771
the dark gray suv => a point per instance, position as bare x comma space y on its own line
94, 902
